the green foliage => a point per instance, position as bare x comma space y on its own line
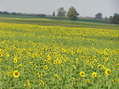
72, 13
61, 12
52, 57
53, 14
115, 19
57, 21
99, 16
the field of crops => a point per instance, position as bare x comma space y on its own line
57, 57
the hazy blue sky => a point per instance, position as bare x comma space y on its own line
84, 7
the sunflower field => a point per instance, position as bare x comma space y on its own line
58, 57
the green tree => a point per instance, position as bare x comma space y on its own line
53, 14
61, 12
115, 19
98, 16
72, 13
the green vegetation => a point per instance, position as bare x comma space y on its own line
42, 53
72, 13
114, 19
55, 21
64, 50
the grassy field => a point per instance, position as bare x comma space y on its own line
47, 54
54, 22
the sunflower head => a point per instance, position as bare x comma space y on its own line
58, 61
94, 74
41, 83
15, 60
45, 67
82, 74
108, 72
16, 74
102, 67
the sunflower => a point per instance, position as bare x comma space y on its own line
16, 74
57, 76
48, 58
15, 60
107, 72
82, 74
94, 74
88, 81
41, 83
102, 67
45, 67
27, 83
58, 61
1, 52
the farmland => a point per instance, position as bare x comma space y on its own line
34, 55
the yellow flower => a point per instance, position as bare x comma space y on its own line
102, 67
58, 61
107, 72
8, 55
1, 52
27, 83
82, 74
16, 74
20, 65
57, 76
106, 59
115, 80
94, 74
34, 55
42, 83
48, 58
88, 81
15, 60
63, 50
45, 67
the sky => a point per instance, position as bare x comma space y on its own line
84, 7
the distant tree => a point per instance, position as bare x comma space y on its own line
61, 12
53, 14
14, 13
5, 12
110, 19
114, 19
72, 13
0, 12
98, 16
42, 15
106, 18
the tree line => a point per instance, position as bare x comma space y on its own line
71, 14
16, 13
